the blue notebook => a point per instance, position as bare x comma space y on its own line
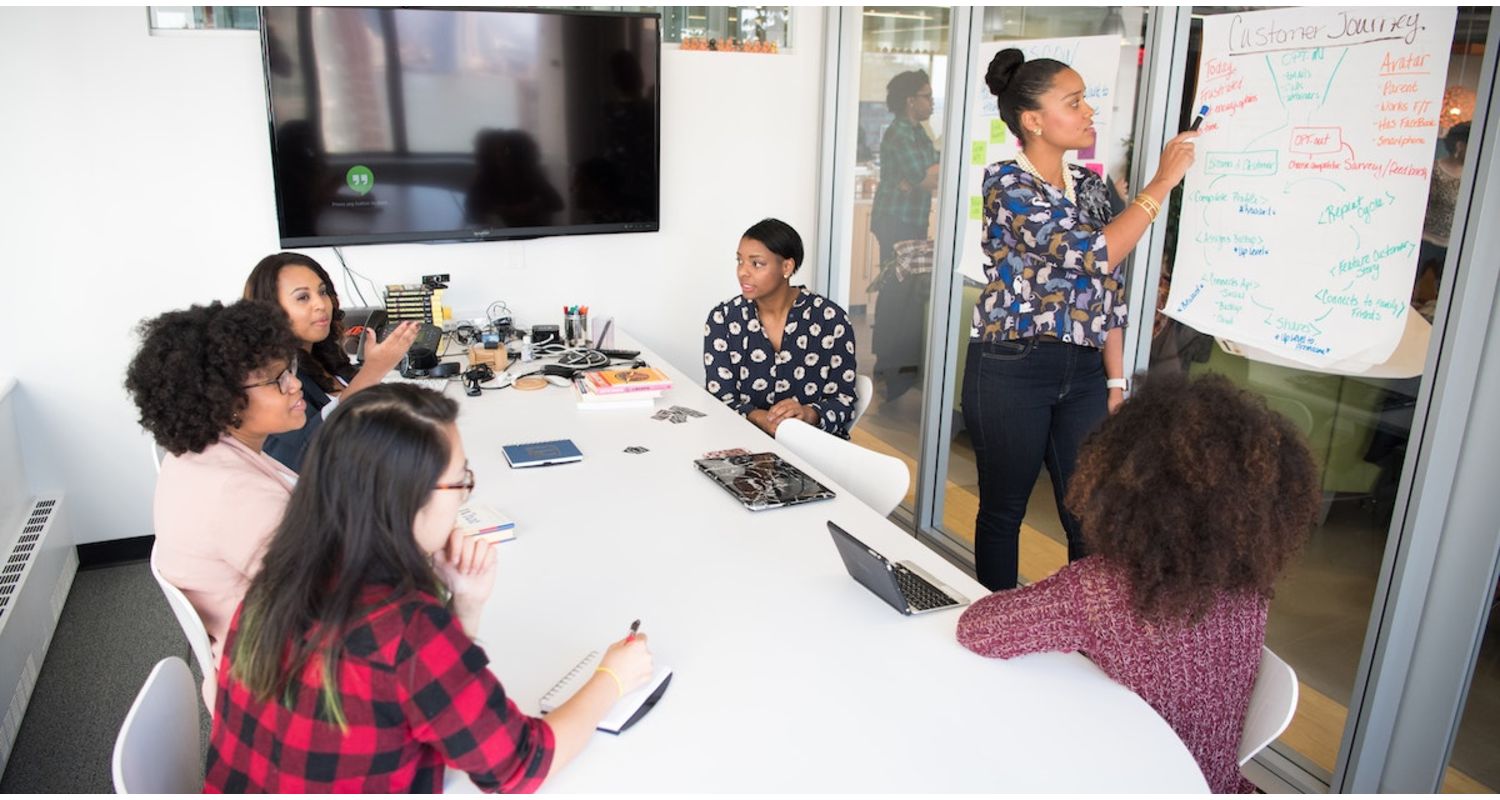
540, 454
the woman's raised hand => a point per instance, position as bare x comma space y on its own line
384, 356
1176, 159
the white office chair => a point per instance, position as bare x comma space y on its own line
1273, 701
157, 749
864, 392
878, 480
191, 623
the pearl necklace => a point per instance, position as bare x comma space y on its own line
1068, 189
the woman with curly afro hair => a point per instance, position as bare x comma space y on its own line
301, 288
212, 382
1193, 497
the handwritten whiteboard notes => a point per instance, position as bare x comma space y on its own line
1303, 212
1096, 59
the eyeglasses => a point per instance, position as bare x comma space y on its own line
282, 381
467, 486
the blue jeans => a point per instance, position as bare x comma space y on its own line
1026, 403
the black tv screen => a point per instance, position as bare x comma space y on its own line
414, 124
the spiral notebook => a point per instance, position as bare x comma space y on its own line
626, 711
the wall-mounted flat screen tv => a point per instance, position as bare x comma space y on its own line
416, 124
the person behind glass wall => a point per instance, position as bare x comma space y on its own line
301, 288
1441, 198
1051, 315
352, 663
1185, 554
212, 384
777, 351
899, 213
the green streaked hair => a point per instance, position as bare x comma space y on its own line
349, 525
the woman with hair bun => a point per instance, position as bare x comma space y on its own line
1172, 603
1048, 366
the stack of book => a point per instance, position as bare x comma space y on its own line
632, 387
484, 522
412, 301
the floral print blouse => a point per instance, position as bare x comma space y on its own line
1046, 259
815, 364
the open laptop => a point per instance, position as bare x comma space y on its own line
906, 586
763, 480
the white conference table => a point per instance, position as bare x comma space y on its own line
788, 675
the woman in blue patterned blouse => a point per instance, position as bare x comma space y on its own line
777, 351
1049, 364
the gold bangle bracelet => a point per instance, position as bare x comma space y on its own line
619, 684
1149, 204
1150, 212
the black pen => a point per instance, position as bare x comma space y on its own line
1202, 110
634, 626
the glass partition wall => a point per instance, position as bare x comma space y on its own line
911, 298
901, 99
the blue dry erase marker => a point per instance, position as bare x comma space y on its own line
1198, 120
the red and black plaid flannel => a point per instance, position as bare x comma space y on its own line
416, 695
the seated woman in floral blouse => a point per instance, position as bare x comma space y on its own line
778, 351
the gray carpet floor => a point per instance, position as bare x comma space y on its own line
114, 628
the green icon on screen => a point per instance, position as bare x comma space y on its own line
360, 179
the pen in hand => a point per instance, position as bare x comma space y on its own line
634, 626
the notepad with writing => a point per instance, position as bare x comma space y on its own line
626, 711
540, 454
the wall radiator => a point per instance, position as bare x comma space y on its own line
34, 582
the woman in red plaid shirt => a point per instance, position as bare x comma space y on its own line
350, 665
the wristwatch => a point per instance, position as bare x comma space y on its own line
1118, 383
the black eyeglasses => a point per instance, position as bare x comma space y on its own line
282, 381
467, 486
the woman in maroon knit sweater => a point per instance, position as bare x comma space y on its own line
1193, 498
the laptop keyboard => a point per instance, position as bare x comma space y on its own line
920, 594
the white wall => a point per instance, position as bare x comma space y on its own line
136, 179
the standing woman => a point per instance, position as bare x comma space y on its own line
1049, 364
777, 351
352, 665
300, 286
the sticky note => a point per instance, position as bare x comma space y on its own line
997, 131
976, 208
981, 152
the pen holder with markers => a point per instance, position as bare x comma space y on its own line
576, 329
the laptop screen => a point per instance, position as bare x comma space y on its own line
868, 567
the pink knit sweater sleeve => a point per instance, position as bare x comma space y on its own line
1045, 616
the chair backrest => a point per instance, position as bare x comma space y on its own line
878, 480
158, 453
157, 749
190, 622
1273, 701
864, 392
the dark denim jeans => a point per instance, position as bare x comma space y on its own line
1026, 403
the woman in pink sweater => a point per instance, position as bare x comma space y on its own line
211, 383
1193, 498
